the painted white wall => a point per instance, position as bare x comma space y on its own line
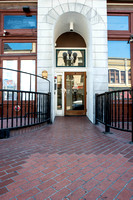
90, 21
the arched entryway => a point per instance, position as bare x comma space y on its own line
70, 74
90, 23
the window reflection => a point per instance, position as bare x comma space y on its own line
74, 92
10, 78
70, 58
118, 23
20, 22
119, 64
19, 48
27, 82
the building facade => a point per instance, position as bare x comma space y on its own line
84, 46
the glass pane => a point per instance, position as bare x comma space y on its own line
59, 92
19, 47
70, 58
122, 77
9, 77
19, 22
119, 64
129, 76
75, 92
118, 23
26, 83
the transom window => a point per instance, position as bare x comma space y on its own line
20, 22
15, 47
118, 23
70, 58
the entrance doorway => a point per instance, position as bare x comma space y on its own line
70, 75
75, 93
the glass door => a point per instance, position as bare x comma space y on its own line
75, 93
59, 94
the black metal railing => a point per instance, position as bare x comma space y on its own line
23, 108
115, 110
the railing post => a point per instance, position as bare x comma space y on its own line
106, 113
49, 108
96, 108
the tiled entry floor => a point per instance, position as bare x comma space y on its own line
70, 159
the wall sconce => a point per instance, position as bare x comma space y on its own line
45, 74
131, 39
26, 9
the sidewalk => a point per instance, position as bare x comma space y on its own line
70, 159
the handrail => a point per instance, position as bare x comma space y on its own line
21, 108
27, 74
114, 109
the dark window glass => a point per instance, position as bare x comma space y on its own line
129, 76
122, 77
19, 22
59, 92
118, 23
113, 76
19, 47
10, 77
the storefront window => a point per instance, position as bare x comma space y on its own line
27, 82
20, 22
9, 77
19, 48
119, 64
118, 23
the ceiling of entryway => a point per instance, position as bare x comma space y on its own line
80, 24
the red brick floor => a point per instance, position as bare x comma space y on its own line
71, 159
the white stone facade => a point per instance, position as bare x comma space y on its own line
90, 21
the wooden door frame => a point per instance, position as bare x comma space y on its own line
75, 112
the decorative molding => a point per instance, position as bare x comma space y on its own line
90, 13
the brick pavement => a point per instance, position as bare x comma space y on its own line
70, 160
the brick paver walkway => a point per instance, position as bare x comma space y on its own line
70, 159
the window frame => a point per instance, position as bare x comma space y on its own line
19, 32
114, 71
72, 49
18, 58
123, 35
123, 73
18, 41
120, 31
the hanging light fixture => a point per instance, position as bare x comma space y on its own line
69, 58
